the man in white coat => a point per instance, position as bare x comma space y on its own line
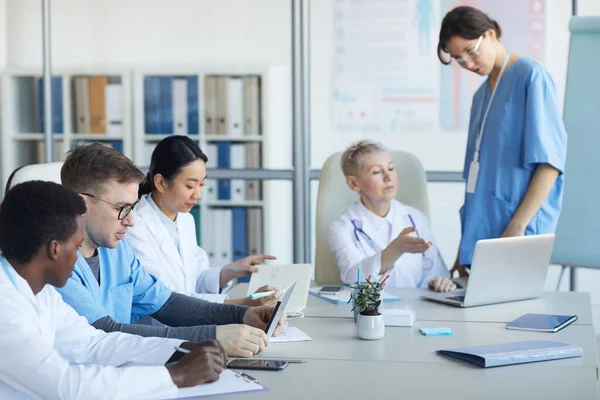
378, 234
49, 351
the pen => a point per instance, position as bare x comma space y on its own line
182, 350
255, 296
358, 276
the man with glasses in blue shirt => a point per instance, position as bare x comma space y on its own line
110, 287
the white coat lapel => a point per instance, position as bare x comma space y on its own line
358, 212
159, 232
400, 216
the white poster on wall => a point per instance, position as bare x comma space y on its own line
386, 74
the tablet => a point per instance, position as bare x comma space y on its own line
541, 322
279, 308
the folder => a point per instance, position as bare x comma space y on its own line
239, 233
222, 106
166, 105
114, 109
229, 382
224, 162
252, 105
254, 216
81, 97
97, 92
238, 161
528, 351
57, 104
279, 276
192, 106
235, 106
180, 106
343, 296
210, 188
152, 114
253, 187
210, 105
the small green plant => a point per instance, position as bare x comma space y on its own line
366, 297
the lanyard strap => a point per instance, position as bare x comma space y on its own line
487, 110
7, 271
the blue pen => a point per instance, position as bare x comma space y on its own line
255, 296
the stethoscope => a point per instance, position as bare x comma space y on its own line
357, 224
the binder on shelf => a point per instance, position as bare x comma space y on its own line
254, 229
97, 92
239, 232
210, 105
166, 105
253, 187
224, 240
195, 211
180, 106
152, 113
238, 161
81, 99
192, 106
114, 109
235, 107
57, 104
224, 162
252, 105
209, 240
211, 188
222, 117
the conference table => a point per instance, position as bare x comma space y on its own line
404, 363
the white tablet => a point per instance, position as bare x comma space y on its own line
279, 308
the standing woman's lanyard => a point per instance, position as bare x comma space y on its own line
474, 167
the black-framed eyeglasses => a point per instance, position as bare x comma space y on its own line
124, 211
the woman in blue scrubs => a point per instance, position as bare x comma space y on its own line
517, 142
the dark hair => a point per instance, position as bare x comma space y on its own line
466, 22
34, 213
169, 157
88, 168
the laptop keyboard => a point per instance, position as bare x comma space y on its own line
456, 298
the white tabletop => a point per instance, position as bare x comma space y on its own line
335, 339
564, 303
330, 379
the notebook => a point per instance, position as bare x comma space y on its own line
279, 276
497, 355
343, 296
229, 382
541, 322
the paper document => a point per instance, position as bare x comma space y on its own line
514, 353
344, 295
229, 382
292, 334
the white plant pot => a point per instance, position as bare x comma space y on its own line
370, 327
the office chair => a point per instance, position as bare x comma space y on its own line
334, 197
42, 172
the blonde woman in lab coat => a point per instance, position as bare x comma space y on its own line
377, 233
164, 234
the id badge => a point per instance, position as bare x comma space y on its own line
472, 178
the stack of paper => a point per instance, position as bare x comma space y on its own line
343, 295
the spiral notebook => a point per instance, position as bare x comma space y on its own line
528, 351
230, 382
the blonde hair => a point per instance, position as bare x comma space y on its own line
352, 158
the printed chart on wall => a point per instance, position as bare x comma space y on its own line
386, 73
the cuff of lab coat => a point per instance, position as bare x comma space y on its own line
208, 281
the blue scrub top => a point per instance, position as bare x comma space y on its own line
524, 128
126, 292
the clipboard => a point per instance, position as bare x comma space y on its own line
229, 382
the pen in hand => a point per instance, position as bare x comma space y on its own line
255, 296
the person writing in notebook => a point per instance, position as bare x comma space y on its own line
110, 286
164, 235
47, 350
517, 142
380, 235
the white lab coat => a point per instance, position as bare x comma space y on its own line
48, 351
189, 272
365, 254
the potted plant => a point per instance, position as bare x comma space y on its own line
366, 299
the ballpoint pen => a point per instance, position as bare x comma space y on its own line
182, 350
255, 296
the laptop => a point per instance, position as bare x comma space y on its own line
503, 270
